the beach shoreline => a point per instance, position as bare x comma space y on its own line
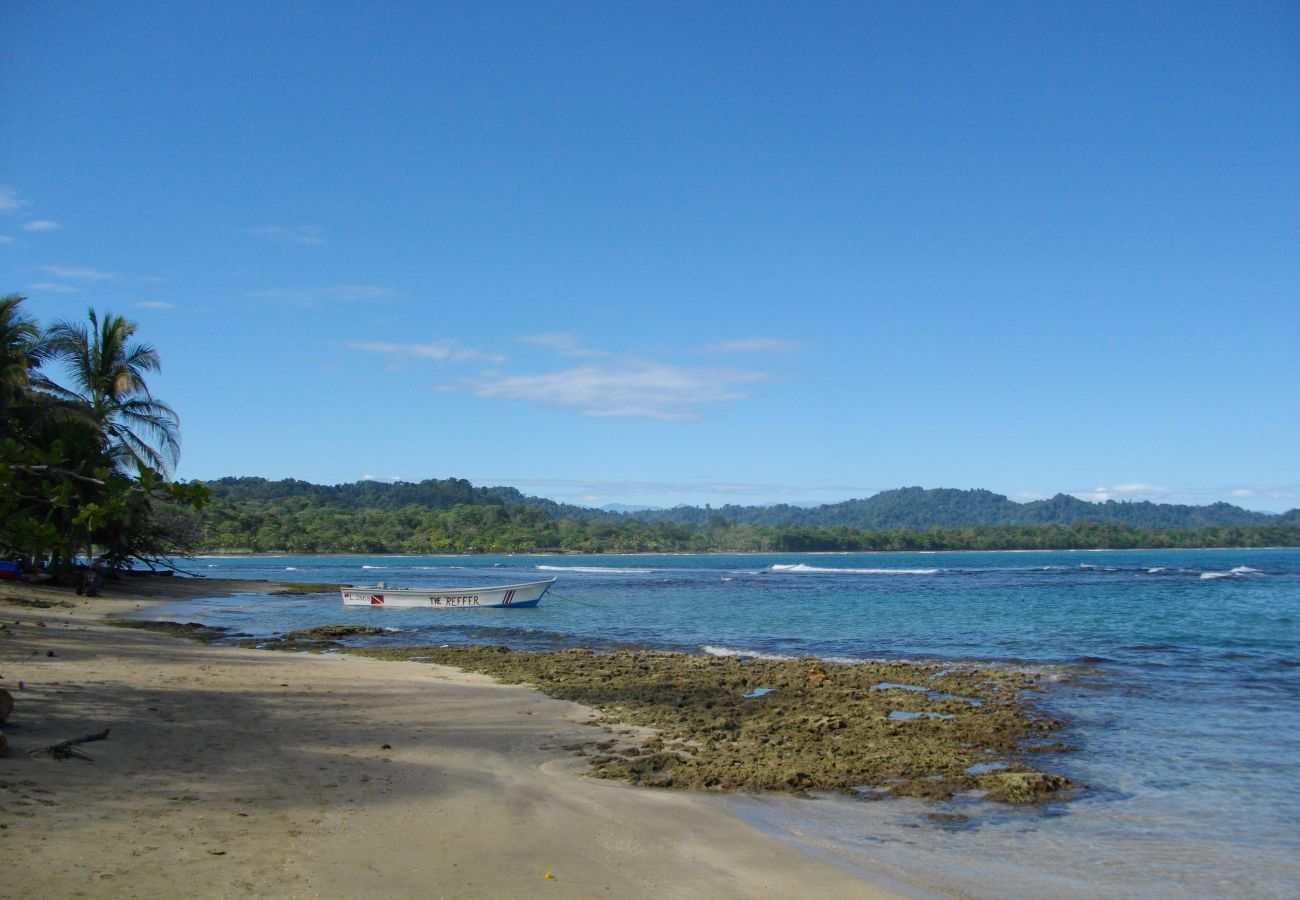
237, 772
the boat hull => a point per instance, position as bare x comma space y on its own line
495, 597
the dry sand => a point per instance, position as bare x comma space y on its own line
232, 772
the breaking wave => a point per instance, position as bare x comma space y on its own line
596, 570
801, 568
1238, 572
713, 650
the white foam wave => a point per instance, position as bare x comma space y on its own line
801, 568
374, 567
291, 568
712, 650
596, 570
1237, 572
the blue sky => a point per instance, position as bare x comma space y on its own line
661, 253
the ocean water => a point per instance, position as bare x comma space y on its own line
1177, 671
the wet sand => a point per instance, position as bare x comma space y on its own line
231, 772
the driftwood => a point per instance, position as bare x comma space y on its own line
66, 749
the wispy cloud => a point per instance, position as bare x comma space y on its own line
644, 390
440, 351
1135, 491
610, 386
6, 239
341, 293
755, 345
302, 235
358, 292
1251, 496
78, 274
155, 304
9, 201
563, 343
51, 288
41, 225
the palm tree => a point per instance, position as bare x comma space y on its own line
22, 349
107, 372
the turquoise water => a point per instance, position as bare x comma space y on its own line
1178, 671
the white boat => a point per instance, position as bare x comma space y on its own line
496, 596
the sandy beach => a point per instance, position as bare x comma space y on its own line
231, 772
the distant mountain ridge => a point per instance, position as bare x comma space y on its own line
920, 508
901, 508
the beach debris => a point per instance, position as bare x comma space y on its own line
67, 749
4, 745
548, 876
6, 703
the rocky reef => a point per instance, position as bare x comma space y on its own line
737, 723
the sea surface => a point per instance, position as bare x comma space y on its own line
1178, 672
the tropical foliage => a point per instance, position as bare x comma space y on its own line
84, 468
452, 516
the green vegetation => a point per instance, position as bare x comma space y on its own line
84, 468
451, 516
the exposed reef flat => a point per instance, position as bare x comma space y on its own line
735, 723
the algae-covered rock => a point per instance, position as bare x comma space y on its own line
817, 725
193, 630
1023, 787
326, 632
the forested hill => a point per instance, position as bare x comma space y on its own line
434, 494
904, 508
915, 507
454, 516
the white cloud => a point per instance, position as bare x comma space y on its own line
1124, 492
613, 388
755, 345
78, 274
49, 288
41, 225
155, 304
655, 391
563, 343
440, 351
302, 235
9, 201
1261, 496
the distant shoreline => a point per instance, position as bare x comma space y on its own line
272, 554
